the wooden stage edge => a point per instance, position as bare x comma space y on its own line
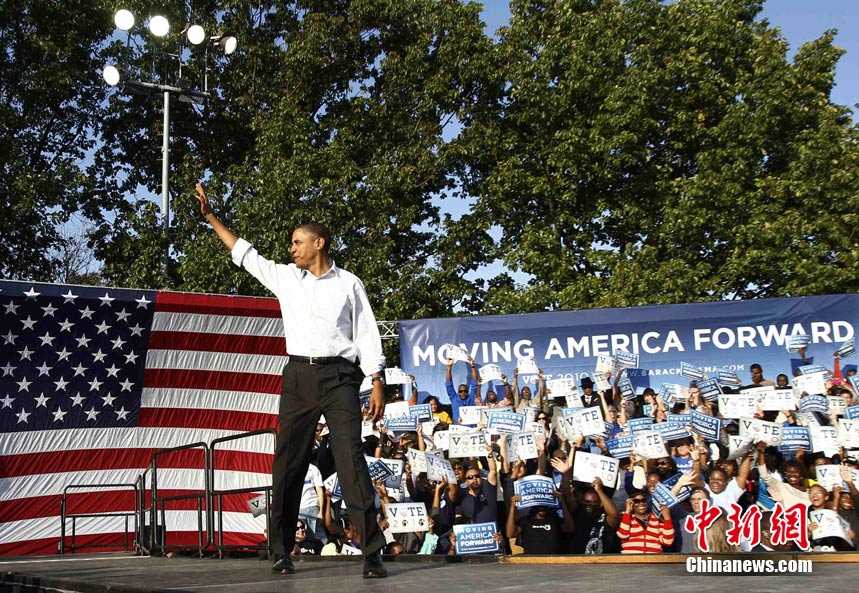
841, 557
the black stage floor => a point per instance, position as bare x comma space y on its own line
124, 573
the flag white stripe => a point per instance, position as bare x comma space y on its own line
217, 324
215, 361
209, 399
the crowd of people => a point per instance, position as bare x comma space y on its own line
593, 517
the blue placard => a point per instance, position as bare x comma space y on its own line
710, 389
477, 538
647, 410
690, 371
794, 438
727, 377
663, 496
684, 419
848, 348
620, 447
626, 360
535, 491
627, 391
506, 422
666, 393
402, 423
379, 472
814, 403
807, 369
851, 412
637, 425
707, 426
854, 382
423, 412
671, 431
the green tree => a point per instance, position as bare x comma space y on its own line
50, 101
648, 152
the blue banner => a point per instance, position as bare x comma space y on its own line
710, 389
477, 538
726, 334
423, 412
707, 426
379, 472
535, 491
636, 425
506, 422
671, 431
814, 403
620, 447
402, 423
851, 412
794, 438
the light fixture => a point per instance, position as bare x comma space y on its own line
159, 26
111, 75
228, 44
196, 34
123, 19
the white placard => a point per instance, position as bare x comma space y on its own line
417, 461
368, 427
397, 409
649, 445
812, 384
588, 421
828, 475
438, 468
738, 447
829, 524
527, 365
738, 405
759, 430
606, 364
824, 438
837, 404
587, 467
397, 376
407, 517
522, 445
471, 444
777, 400
452, 352
560, 387
490, 372
470, 414
257, 505
442, 439
848, 433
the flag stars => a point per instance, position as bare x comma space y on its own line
86, 313
49, 310
69, 297
61, 384
28, 323
42, 401
11, 307
78, 400
103, 327
122, 413
98, 355
112, 370
7, 370
9, 338
142, 302
108, 400
117, 343
26, 353
79, 370
92, 414
44, 369
106, 299
32, 294
95, 384
24, 385
83, 341
136, 330
131, 358
7, 401
63, 354
122, 315
59, 415
126, 385
47, 339
66, 326
23, 416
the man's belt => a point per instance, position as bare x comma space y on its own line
319, 359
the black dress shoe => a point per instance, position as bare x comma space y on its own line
283, 565
373, 566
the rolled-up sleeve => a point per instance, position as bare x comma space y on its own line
365, 333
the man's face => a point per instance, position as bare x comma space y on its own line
462, 392
491, 397
304, 248
652, 481
459, 470
663, 466
695, 501
300, 532
781, 382
591, 503
757, 375
473, 481
526, 393
718, 481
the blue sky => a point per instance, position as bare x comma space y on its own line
799, 20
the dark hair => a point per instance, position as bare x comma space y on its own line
317, 230
755, 366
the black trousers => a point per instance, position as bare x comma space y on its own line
308, 391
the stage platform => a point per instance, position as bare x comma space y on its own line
126, 573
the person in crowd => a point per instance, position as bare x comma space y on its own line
757, 373
541, 531
438, 413
492, 401
310, 508
769, 541
306, 543
642, 532
522, 400
791, 489
725, 490
595, 523
477, 501
465, 394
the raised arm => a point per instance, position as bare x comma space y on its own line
413, 400
743, 472
226, 235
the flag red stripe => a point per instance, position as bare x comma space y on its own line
168, 340
222, 381
177, 302
217, 419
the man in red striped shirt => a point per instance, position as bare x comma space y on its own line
642, 532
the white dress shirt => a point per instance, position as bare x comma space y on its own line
325, 316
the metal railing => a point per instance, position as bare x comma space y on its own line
135, 514
217, 496
158, 507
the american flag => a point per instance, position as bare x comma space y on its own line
93, 381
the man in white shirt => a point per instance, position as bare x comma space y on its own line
333, 342
310, 507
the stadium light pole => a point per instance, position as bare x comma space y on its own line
114, 75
